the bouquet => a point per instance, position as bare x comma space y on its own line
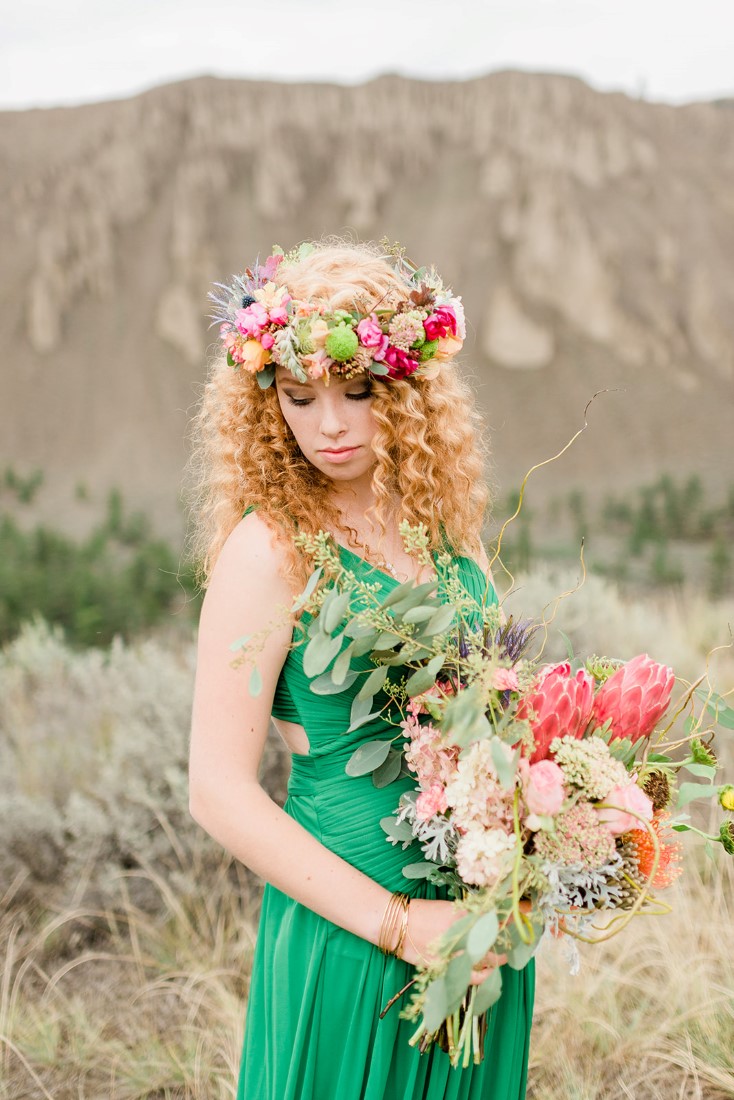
546, 795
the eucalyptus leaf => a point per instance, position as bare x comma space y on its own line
482, 936
388, 772
336, 610
341, 665
440, 620
419, 870
319, 652
458, 978
419, 614
324, 684
313, 580
356, 629
240, 643
505, 763
435, 1005
373, 683
520, 955
363, 645
265, 376
360, 707
489, 992
363, 721
398, 830
407, 591
386, 640
367, 757
424, 678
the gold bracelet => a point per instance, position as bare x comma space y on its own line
396, 907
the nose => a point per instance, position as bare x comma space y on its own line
333, 422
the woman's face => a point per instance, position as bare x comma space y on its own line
333, 425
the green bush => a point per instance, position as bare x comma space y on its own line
118, 581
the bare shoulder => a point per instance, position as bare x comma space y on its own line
249, 567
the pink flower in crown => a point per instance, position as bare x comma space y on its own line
370, 333
431, 802
634, 697
278, 315
267, 339
621, 798
252, 320
317, 364
558, 705
381, 350
442, 322
399, 362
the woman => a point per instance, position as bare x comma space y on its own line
346, 423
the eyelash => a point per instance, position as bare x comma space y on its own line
350, 397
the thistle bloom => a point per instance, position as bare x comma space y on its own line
558, 705
634, 698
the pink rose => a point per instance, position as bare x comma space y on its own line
431, 802
505, 679
267, 340
544, 792
442, 322
627, 797
369, 332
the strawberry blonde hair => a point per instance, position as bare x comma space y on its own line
429, 446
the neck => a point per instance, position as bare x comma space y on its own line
353, 498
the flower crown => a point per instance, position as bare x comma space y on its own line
261, 325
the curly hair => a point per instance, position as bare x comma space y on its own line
429, 446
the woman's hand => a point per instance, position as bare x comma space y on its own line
427, 922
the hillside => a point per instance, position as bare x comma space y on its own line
590, 234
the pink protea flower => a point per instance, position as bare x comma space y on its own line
558, 705
634, 697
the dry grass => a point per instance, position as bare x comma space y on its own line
125, 958
126, 1005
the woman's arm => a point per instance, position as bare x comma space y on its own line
229, 728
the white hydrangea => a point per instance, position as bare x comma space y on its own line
484, 855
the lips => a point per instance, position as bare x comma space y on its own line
336, 450
340, 456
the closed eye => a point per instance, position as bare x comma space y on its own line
350, 397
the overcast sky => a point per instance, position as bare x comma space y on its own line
75, 51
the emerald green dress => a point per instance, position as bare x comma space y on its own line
312, 1030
